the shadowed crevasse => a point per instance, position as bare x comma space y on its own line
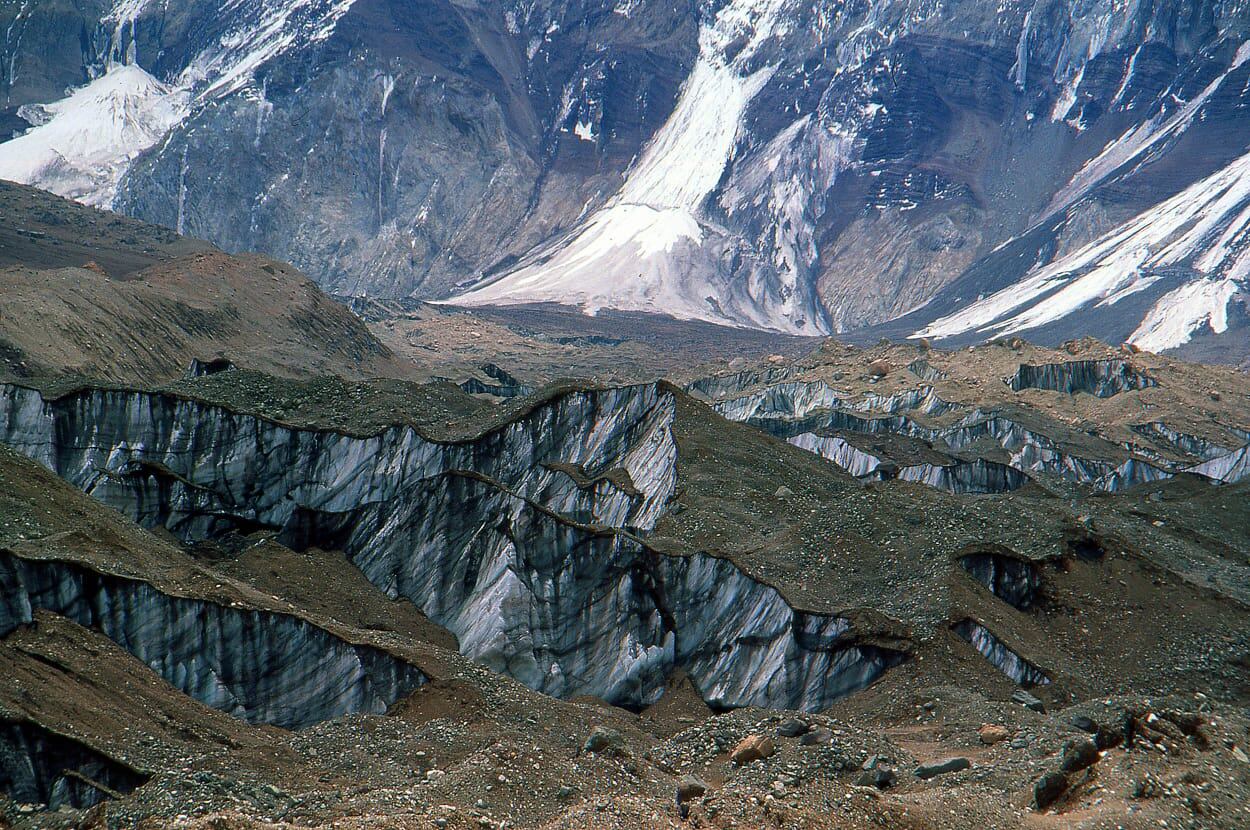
40, 767
1009, 578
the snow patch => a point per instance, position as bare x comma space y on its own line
87, 140
1205, 227
1180, 314
634, 254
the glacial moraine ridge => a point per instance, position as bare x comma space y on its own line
525, 541
811, 414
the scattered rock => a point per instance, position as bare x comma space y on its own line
1147, 787
817, 737
1028, 701
880, 777
1078, 754
690, 787
605, 741
1085, 723
752, 748
1048, 789
793, 728
927, 771
783, 492
879, 368
992, 733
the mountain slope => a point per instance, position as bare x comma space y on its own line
89, 293
792, 166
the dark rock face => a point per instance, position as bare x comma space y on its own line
420, 143
40, 767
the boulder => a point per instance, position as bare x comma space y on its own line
604, 741
1028, 701
927, 771
1048, 789
1078, 754
880, 777
992, 733
819, 736
793, 728
753, 748
689, 788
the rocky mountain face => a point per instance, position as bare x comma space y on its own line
948, 170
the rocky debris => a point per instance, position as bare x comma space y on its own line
1104, 736
783, 492
881, 777
926, 771
816, 737
1049, 788
753, 748
605, 741
1078, 754
1028, 701
793, 728
689, 788
992, 733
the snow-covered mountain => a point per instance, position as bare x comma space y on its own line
952, 170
